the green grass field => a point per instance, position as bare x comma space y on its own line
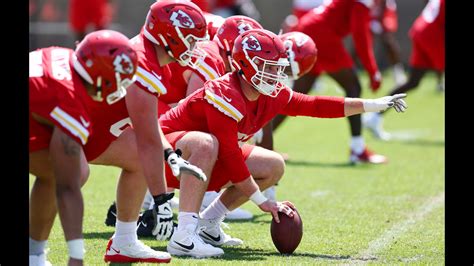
374, 214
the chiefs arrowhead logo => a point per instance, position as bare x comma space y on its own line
243, 27
181, 19
251, 43
123, 64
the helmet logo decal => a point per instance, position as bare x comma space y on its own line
251, 43
182, 20
123, 64
300, 39
243, 27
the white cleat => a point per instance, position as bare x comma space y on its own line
212, 233
236, 214
134, 252
187, 243
39, 260
374, 122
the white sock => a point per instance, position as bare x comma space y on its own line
357, 144
37, 247
125, 232
187, 218
216, 210
399, 73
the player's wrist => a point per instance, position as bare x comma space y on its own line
76, 248
168, 152
258, 198
162, 198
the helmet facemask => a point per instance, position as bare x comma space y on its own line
193, 54
269, 77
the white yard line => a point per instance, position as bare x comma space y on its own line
387, 238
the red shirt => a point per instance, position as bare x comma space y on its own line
343, 17
430, 25
220, 108
57, 94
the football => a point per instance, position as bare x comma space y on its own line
287, 234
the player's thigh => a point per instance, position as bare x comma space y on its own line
41, 166
122, 152
263, 163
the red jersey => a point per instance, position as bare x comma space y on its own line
430, 25
336, 19
57, 94
211, 67
385, 13
220, 108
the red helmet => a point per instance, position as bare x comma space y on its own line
260, 57
106, 60
177, 25
231, 28
302, 53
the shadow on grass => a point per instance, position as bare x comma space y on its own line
249, 254
98, 235
328, 164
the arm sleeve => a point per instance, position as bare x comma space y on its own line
315, 106
360, 28
225, 130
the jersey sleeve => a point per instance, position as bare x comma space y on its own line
360, 28
225, 100
224, 128
149, 77
315, 106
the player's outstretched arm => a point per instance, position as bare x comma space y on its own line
65, 155
353, 106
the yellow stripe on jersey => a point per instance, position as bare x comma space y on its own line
70, 124
148, 80
223, 106
208, 72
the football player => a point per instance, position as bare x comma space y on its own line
229, 110
63, 86
384, 24
327, 25
428, 54
170, 33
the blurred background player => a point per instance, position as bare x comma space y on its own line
228, 111
384, 24
299, 8
427, 34
327, 25
63, 85
86, 15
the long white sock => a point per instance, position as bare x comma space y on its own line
187, 218
216, 210
37, 247
125, 232
357, 144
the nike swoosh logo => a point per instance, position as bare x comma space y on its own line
118, 251
190, 247
156, 75
84, 122
217, 239
227, 99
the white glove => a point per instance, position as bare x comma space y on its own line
179, 165
163, 218
382, 104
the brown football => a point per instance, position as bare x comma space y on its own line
287, 234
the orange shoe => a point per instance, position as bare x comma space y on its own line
367, 156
